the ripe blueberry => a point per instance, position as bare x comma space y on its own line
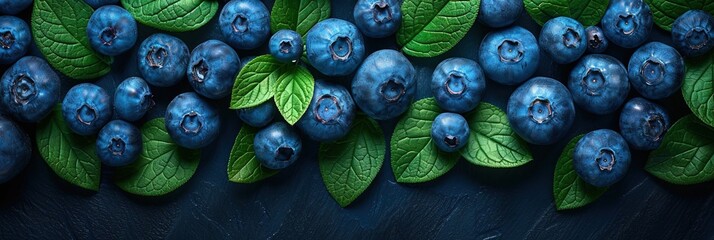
259, 116
450, 132
12, 7
458, 84
191, 122
693, 33
597, 42
541, 111
499, 13
245, 24
30, 89
99, 3
277, 146
330, 114
627, 23
15, 39
15, 149
163, 60
384, 85
643, 124
509, 56
86, 109
378, 18
599, 84
563, 39
334, 47
132, 99
111, 30
656, 70
601, 158
286, 46
212, 69
118, 144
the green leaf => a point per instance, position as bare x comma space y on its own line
253, 84
162, 167
59, 28
69, 155
698, 87
298, 15
587, 12
569, 190
664, 12
172, 15
349, 166
492, 142
430, 28
243, 167
686, 155
415, 157
293, 92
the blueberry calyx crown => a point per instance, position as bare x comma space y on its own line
571, 38
654, 127
593, 81
240, 23
605, 159
199, 71
381, 12
540, 110
451, 141
697, 38
284, 153
23, 89
117, 146
285, 46
327, 109
341, 48
156, 57
108, 35
86, 114
594, 41
392, 90
455, 84
510, 51
191, 122
7, 39
627, 24
652, 71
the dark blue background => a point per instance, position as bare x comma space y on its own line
467, 203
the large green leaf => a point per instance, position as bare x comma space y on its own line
666, 11
253, 84
293, 92
298, 15
243, 166
569, 190
698, 87
587, 12
172, 15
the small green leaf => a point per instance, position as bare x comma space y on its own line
243, 167
664, 12
686, 155
298, 15
430, 28
587, 12
172, 15
59, 28
492, 142
293, 92
698, 87
162, 167
69, 155
349, 166
253, 84
569, 190
415, 157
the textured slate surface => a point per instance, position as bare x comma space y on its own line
468, 203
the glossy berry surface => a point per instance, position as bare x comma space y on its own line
111, 30
86, 109
693, 33
259, 116
245, 24
335, 47
30, 89
563, 39
277, 146
499, 13
509, 56
12, 7
330, 114
599, 84
15, 39
597, 42
15, 149
601, 158
118, 144
450, 132
99, 3
458, 84
627, 23
384, 85
192, 122
656, 70
163, 60
378, 18
132, 99
212, 69
286, 46
541, 111
643, 124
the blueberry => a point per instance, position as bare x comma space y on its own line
541, 111
286, 46
334, 47
563, 39
132, 99
99, 3
111, 30
118, 144
450, 132
213, 68
259, 116
15, 39
245, 24
384, 85
691, 33
458, 84
330, 114
499, 13
12, 7
191, 122
597, 42
601, 158
509, 56
378, 18
163, 60
15, 149
643, 124
30, 89
627, 23
599, 84
277, 146
86, 109
656, 70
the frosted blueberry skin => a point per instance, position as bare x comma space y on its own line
541, 111
601, 158
15, 149
132, 99
599, 84
499, 13
258, 116
597, 42
378, 18
643, 124
163, 60
286, 46
450, 132
99, 3
277, 146
693, 33
458, 84
118, 144
13, 7
212, 69
330, 114
192, 122
245, 24
86, 109
30, 89
563, 39
656, 70
509, 56
627, 23
335, 47
111, 30
385, 85
15, 39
